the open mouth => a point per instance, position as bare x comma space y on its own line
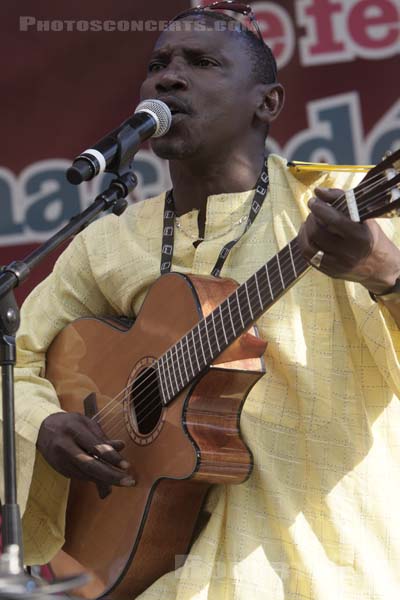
176, 106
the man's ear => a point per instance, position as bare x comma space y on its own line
271, 100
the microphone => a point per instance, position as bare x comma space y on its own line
152, 118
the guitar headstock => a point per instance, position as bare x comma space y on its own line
378, 195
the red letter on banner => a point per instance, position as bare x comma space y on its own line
373, 24
277, 30
322, 11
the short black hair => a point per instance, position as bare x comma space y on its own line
264, 66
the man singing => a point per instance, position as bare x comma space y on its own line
317, 519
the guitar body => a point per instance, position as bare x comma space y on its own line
134, 535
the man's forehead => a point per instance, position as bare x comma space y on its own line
214, 41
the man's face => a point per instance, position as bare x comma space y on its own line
205, 78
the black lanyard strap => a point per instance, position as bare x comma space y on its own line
167, 249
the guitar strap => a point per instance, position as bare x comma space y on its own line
167, 249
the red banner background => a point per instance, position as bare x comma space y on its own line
64, 86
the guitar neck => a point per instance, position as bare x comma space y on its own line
378, 194
196, 350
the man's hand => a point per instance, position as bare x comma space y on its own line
354, 251
76, 446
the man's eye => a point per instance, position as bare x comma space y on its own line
153, 67
205, 62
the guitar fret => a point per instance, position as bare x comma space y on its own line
280, 272
215, 331
178, 363
160, 380
175, 364
169, 374
248, 300
292, 261
290, 270
163, 359
240, 310
208, 337
195, 353
230, 316
258, 293
269, 282
244, 306
222, 323
171, 368
189, 355
239, 323
184, 361
201, 342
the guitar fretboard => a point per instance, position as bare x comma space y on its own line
376, 195
196, 350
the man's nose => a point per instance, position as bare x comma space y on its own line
171, 78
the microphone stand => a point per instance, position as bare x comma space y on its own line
14, 582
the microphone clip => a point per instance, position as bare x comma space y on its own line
126, 179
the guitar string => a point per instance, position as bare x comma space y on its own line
360, 192
157, 404
365, 189
175, 377
173, 364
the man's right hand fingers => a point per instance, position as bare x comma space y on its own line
93, 441
77, 447
108, 454
118, 445
98, 471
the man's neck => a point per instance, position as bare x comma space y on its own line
194, 181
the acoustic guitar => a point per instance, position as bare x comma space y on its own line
174, 383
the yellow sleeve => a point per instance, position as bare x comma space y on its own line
375, 323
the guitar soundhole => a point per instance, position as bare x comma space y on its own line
145, 401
